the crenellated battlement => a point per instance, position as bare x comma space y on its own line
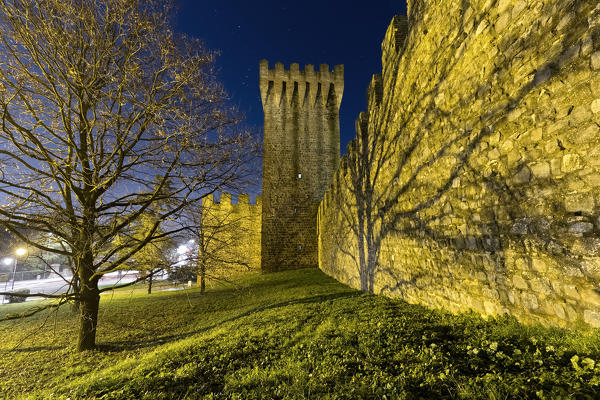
226, 202
375, 91
395, 36
392, 48
305, 87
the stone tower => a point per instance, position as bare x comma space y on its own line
301, 150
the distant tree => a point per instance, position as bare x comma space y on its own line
153, 257
97, 98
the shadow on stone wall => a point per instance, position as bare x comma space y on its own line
433, 172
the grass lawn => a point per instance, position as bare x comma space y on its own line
290, 335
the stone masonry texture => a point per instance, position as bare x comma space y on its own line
231, 234
474, 178
301, 149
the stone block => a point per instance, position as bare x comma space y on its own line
555, 164
559, 311
571, 313
503, 5
587, 46
514, 114
575, 185
572, 271
502, 22
490, 293
591, 296
522, 264
546, 307
586, 135
513, 157
540, 170
596, 60
523, 176
571, 291
481, 27
530, 301
571, 162
536, 135
592, 179
520, 227
506, 146
581, 114
490, 308
539, 264
564, 21
579, 202
581, 227
494, 154
512, 297
519, 282
596, 106
592, 266
540, 287
519, 6
551, 146
592, 318
556, 285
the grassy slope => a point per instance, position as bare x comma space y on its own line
296, 334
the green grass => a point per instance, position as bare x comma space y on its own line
291, 335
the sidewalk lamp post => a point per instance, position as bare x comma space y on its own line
20, 253
7, 261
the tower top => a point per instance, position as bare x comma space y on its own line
279, 82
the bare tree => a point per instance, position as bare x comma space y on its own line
97, 98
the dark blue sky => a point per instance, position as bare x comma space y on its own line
306, 32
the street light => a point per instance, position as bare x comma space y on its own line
19, 252
7, 261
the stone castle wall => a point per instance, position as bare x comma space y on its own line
231, 234
474, 178
301, 149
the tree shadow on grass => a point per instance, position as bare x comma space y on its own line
32, 349
124, 345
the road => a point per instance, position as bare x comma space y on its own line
57, 285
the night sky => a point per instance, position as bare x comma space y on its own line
306, 32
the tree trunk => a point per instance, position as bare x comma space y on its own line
202, 279
89, 304
150, 284
76, 289
88, 316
